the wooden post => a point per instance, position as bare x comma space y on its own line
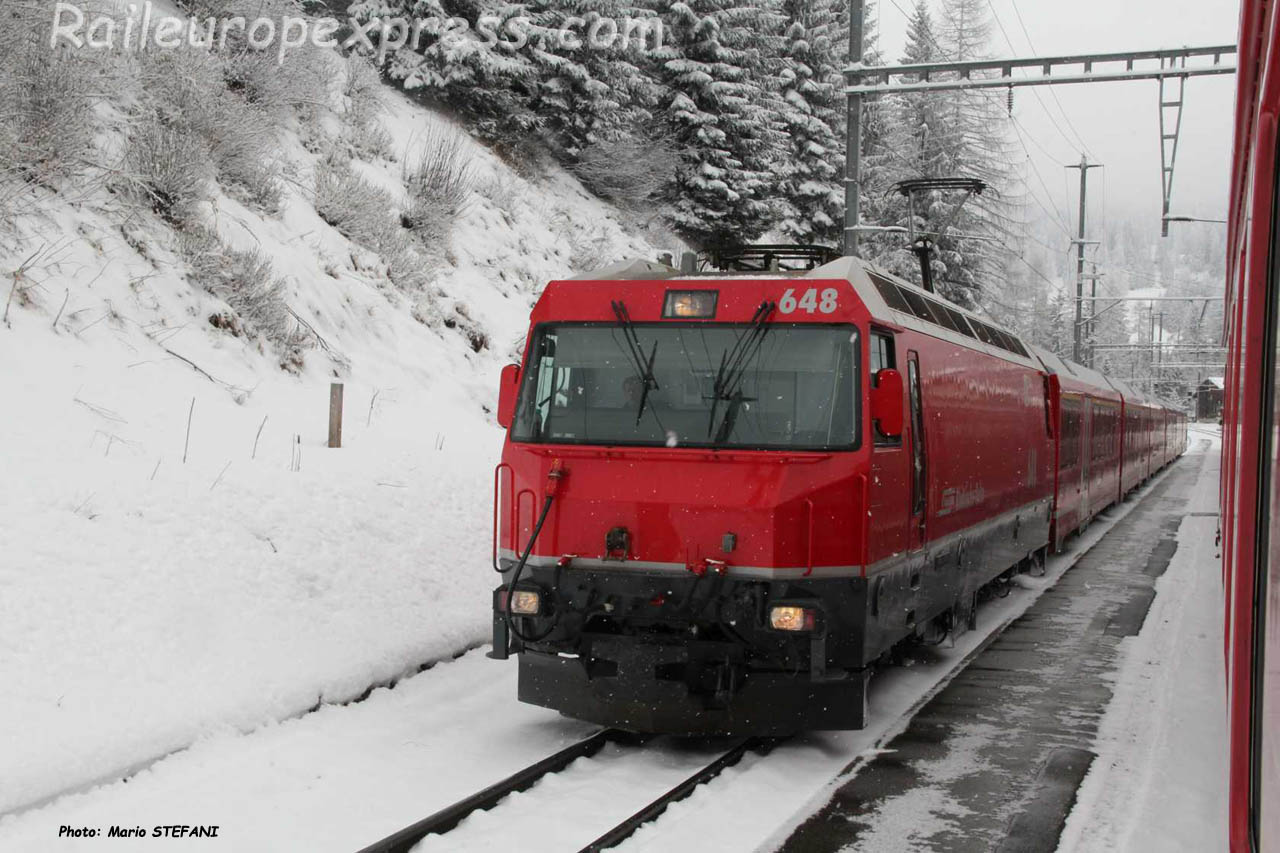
335, 414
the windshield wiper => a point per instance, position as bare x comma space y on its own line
733, 367
736, 399
644, 367
650, 383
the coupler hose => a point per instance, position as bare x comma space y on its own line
554, 477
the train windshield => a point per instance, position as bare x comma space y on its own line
767, 386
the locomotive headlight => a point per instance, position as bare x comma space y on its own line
526, 602
791, 618
692, 304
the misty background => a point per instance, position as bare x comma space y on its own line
1116, 124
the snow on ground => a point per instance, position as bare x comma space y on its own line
156, 588
336, 780
1160, 779
348, 776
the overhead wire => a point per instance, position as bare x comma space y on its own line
1150, 278
1045, 151
1055, 216
1052, 93
1048, 113
996, 17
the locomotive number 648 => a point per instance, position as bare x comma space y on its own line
809, 301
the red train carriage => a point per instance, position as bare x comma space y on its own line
1135, 449
723, 498
1250, 540
1088, 411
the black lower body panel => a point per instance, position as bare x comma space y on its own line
634, 694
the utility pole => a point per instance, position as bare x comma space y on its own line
1091, 328
1160, 345
1084, 168
1151, 334
1093, 308
853, 133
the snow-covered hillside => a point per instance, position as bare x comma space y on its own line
179, 551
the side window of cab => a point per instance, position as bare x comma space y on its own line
882, 357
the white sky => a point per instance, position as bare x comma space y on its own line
1119, 122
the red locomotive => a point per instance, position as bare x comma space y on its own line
724, 497
1250, 539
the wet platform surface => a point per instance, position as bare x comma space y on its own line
993, 761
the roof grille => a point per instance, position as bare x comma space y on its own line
770, 258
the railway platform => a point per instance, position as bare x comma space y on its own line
995, 759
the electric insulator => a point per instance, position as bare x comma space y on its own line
1010, 104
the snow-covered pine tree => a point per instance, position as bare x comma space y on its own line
906, 143
490, 80
722, 117
976, 143
939, 135
1057, 332
1111, 326
587, 92
809, 172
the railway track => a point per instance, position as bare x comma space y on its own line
447, 819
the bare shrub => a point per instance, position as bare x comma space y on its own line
440, 184
171, 168
365, 214
523, 153
248, 283
461, 319
299, 84
407, 269
500, 189
186, 90
48, 117
590, 246
363, 109
360, 211
628, 171
432, 313
47, 120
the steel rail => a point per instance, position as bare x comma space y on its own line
654, 810
449, 817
